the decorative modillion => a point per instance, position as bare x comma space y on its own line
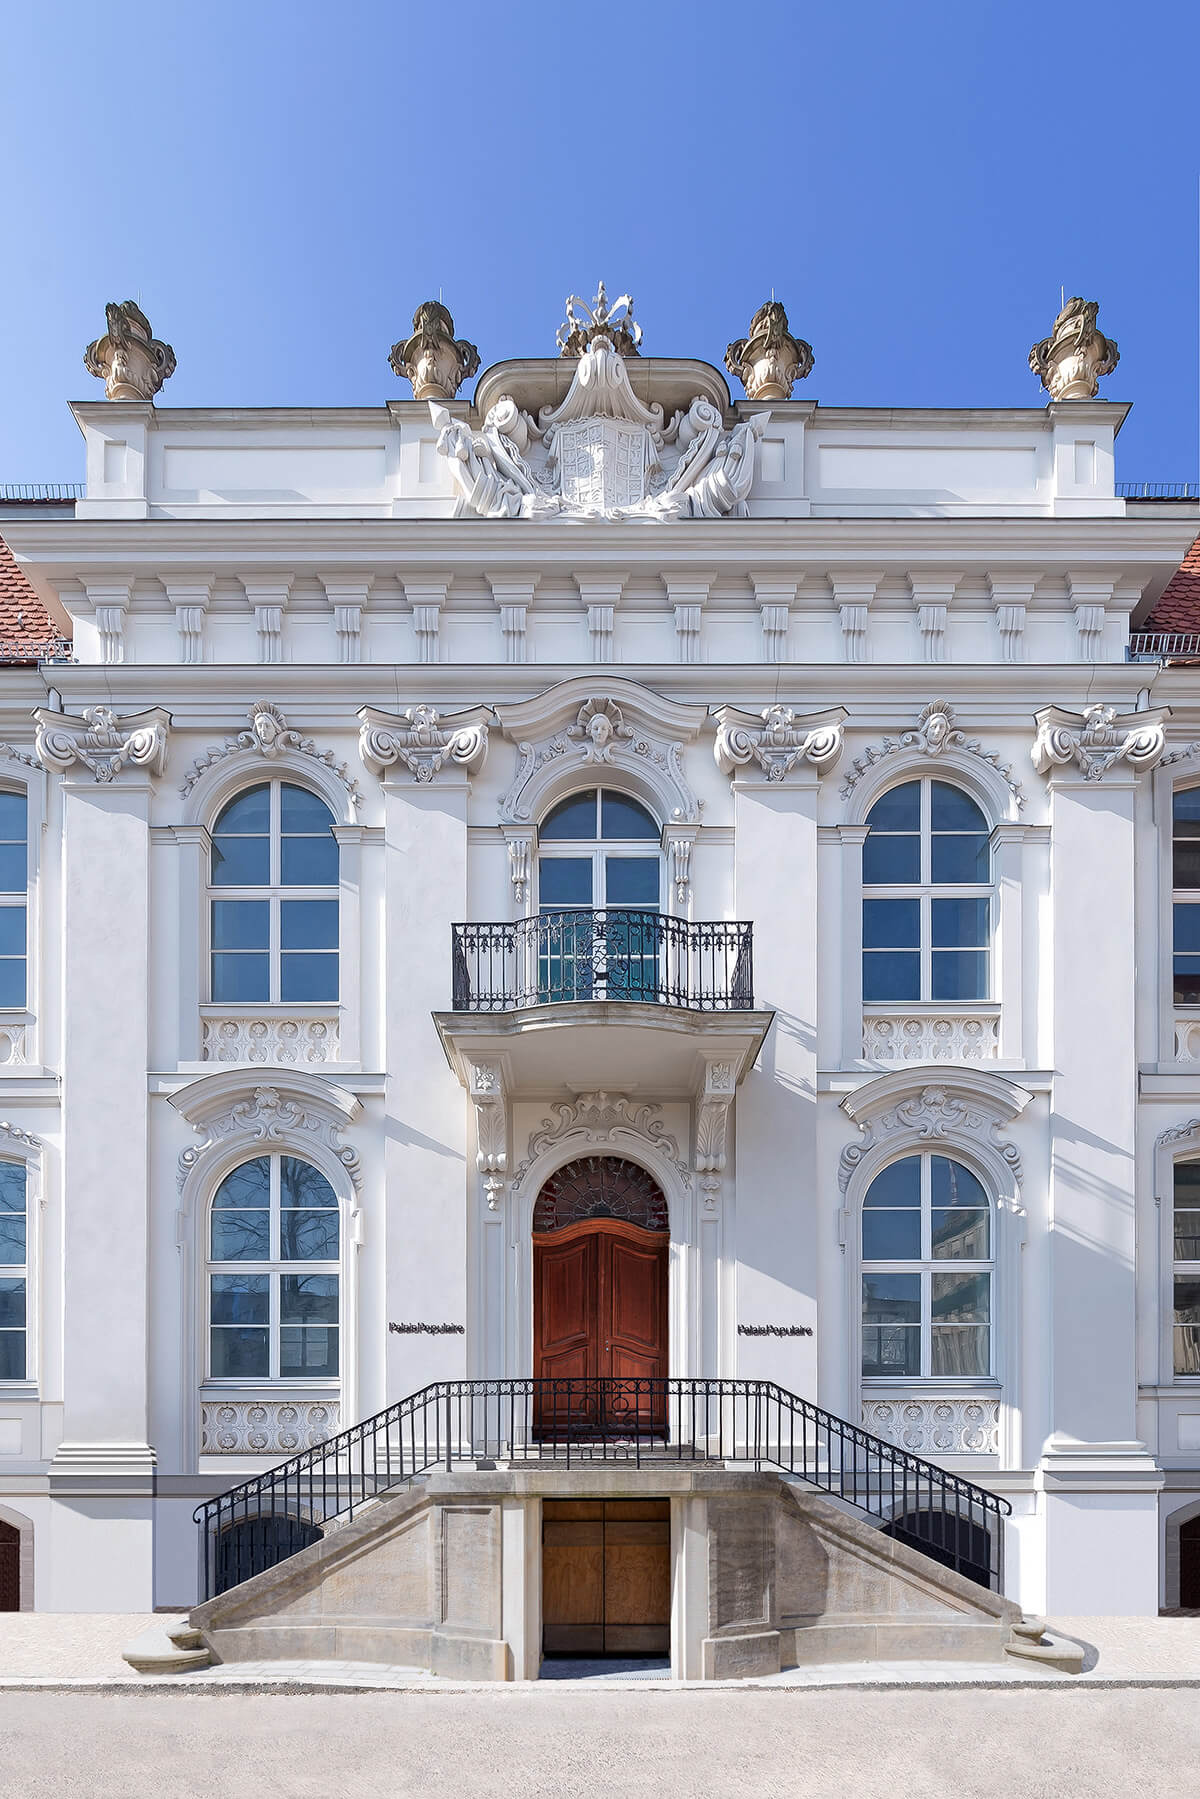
102, 742
424, 740
1072, 359
770, 360
129, 359
433, 359
778, 740
1097, 738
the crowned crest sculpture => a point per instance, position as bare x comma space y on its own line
129, 359
433, 359
602, 452
1075, 355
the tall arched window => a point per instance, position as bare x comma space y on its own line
14, 1250
599, 897
275, 922
926, 1272
1186, 1256
1185, 882
14, 878
926, 924
273, 1281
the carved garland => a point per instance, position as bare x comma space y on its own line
268, 1117
270, 735
603, 1118
935, 732
933, 1115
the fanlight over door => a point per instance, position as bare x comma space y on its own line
601, 1240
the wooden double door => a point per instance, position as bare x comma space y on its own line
600, 1328
606, 1577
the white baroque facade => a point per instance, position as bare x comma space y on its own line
752, 794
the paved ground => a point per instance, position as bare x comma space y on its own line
554, 1741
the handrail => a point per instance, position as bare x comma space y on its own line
263, 1521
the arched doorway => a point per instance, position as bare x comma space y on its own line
10, 1568
601, 1241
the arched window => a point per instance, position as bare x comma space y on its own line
1185, 882
926, 1272
14, 878
1186, 1237
926, 925
14, 1359
274, 1242
275, 922
599, 898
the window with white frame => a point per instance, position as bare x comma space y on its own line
598, 854
273, 902
273, 1274
1186, 1257
1185, 883
14, 1359
926, 1272
927, 903
14, 877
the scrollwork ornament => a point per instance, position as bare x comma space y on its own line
270, 735
778, 740
423, 741
102, 742
1098, 738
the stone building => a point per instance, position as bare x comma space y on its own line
628, 897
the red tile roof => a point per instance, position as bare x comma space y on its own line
1178, 608
26, 628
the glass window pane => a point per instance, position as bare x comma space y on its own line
1187, 929
891, 1236
240, 924
241, 978
12, 817
240, 1298
12, 1302
310, 1351
961, 1235
1186, 984
623, 817
305, 976
891, 975
899, 810
241, 1236
960, 1349
961, 1298
899, 1184
891, 1349
631, 881
246, 1187
960, 974
308, 862
1187, 1235
953, 1185
574, 817
1186, 811
12, 1239
891, 861
1185, 862
308, 1236
302, 811
308, 924
960, 923
247, 815
12, 1187
308, 1299
240, 1354
12, 930
14, 867
950, 809
565, 881
891, 1299
241, 861
12, 981
300, 1184
12, 1355
891, 924
960, 861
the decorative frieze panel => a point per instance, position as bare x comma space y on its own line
294, 1039
12, 1045
1097, 738
423, 740
1187, 1039
101, 741
778, 740
935, 1426
930, 1037
281, 1427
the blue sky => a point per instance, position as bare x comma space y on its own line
279, 185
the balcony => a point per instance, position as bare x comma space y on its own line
608, 999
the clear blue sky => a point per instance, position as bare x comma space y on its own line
279, 185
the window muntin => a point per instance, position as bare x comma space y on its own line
274, 1282
1185, 882
274, 926
926, 1282
14, 1250
14, 881
1186, 1257
926, 920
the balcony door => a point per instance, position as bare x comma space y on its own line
599, 899
601, 1243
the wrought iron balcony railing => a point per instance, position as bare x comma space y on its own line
614, 955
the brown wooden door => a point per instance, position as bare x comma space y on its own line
606, 1576
599, 1310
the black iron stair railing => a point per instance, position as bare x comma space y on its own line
645, 1422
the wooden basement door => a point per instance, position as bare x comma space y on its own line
606, 1577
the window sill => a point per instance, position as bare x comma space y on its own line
18, 1389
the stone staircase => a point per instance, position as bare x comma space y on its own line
171, 1646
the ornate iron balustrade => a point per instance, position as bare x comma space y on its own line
615, 955
641, 1422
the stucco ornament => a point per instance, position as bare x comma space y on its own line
602, 453
433, 359
778, 740
271, 736
1097, 738
937, 1114
102, 742
602, 1118
601, 734
770, 361
615, 323
273, 1115
1072, 359
423, 740
129, 359
936, 731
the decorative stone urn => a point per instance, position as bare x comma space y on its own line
129, 359
433, 359
770, 361
1075, 355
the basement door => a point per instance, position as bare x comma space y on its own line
606, 1577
